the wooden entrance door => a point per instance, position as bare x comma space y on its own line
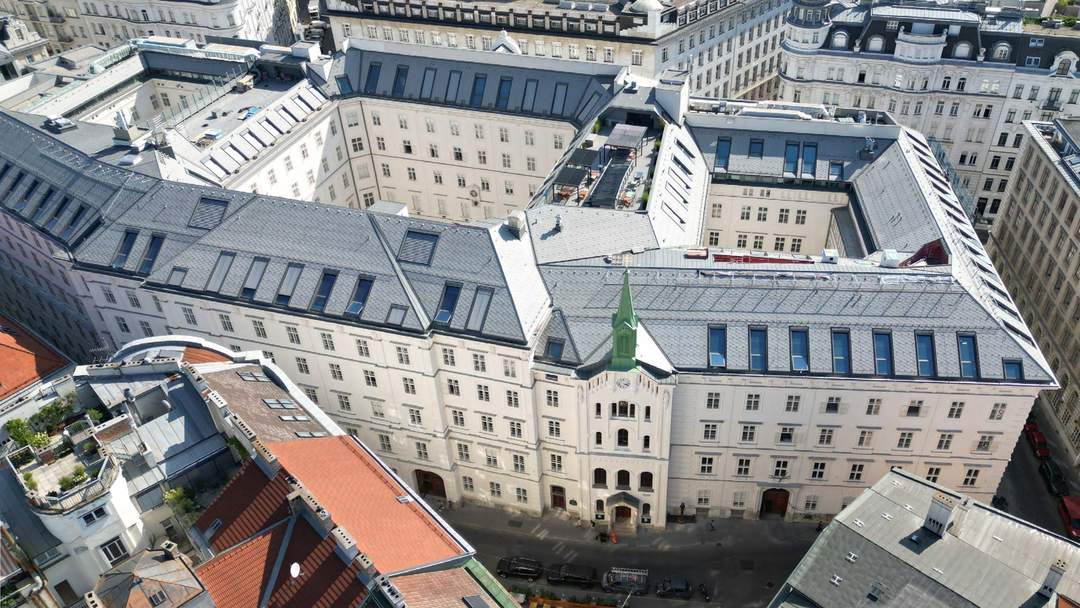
558, 497
430, 484
774, 502
622, 513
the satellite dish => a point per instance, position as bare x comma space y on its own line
294, 570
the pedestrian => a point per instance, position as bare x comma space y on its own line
682, 509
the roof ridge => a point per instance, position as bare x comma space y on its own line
406, 285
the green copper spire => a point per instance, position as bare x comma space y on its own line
624, 331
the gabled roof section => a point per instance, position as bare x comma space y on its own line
362, 497
986, 558
480, 80
237, 578
249, 503
893, 203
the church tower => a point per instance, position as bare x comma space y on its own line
624, 331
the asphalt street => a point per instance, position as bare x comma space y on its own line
742, 563
1024, 489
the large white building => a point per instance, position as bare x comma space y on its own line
729, 48
1035, 247
965, 75
68, 24
589, 354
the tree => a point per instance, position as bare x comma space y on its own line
18, 430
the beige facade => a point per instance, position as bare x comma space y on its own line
773, 218
1035, 247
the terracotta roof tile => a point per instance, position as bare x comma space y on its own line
361, 496
236, 578
195, 355
26, 359
250, 502
325, 580
440, 589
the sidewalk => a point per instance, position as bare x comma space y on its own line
556, 526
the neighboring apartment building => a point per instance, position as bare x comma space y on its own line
68, 24
32, 372
965, 75
907, 541
729, 48
1035, 246
481, 360
451, 134
95, 494
19, 45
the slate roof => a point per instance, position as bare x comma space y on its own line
861, 21
133, 582
535, 86
988, 558
32, 535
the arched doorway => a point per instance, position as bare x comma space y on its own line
774, 503
430, 484
558, 497
622, 513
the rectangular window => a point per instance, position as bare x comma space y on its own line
836, 171
322, 293
125, 248
809, 161
477, 95
723, 153
883, 355
706, 465
903, 442
791, 159
742, 467
717, 347
288, 284
758, 349
359, 298
841, 352
969, 363
1013, 370
447, 304
924, 354
800, 350
856, 472
115, 551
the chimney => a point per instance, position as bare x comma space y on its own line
170, 549
516, 223
91, 600
1053, 577
939, 515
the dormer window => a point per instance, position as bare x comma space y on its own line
840, 40
962, 50
554, 349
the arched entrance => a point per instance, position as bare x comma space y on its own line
622, 513
558, 497
430, 484
774, 503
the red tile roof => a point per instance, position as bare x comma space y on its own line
325, 580
440, 589
250, 502
195, 355
26, 359
363, 498
236, 578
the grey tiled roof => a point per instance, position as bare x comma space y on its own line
16, 514
563, 90
586, 232
678, 305
987, 558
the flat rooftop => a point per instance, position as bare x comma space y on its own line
227, 114
268, 409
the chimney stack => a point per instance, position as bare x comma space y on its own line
939, 515
1053, 577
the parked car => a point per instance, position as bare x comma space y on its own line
1038, 444
1069, 510
1054, 478
675, 587
521, 567
572, 574
1030, 425
626, 580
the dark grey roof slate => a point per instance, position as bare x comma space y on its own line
550, 88
32, 535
